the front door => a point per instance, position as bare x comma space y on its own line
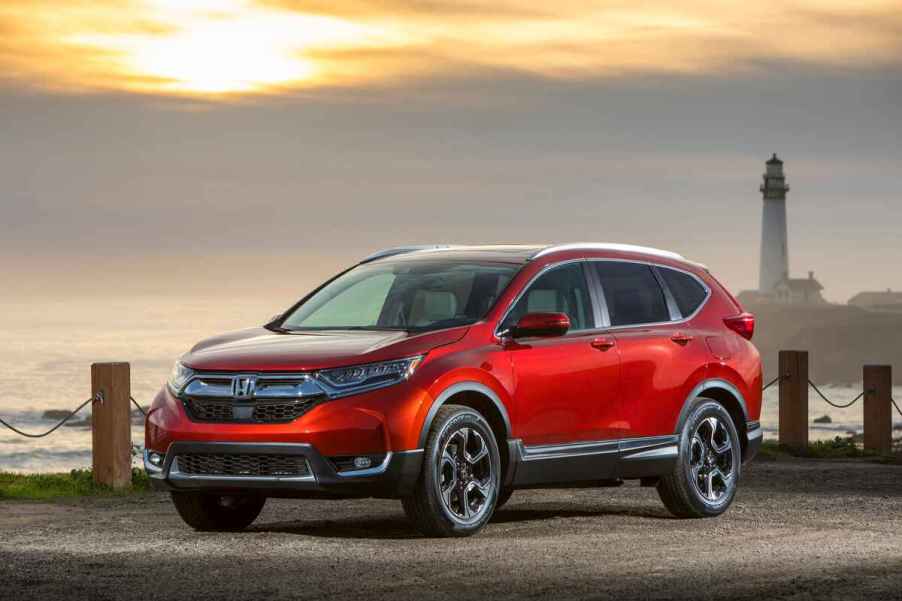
566, 388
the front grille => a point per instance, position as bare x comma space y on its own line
227, 410
222, 464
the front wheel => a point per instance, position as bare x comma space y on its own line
503, 497
458, 487
703, 482
217, 512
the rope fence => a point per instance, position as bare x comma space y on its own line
771, 383
144, 412
113, 430
97, 398
827, 400
831, 403
140, 408
93, 399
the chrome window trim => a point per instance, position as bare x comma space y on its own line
594, 280
609, 246
664, 287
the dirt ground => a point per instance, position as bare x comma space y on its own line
797, 530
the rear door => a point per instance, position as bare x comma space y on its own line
661, 354
566, 387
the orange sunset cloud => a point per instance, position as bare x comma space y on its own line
233, 48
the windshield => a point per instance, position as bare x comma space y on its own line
427, 295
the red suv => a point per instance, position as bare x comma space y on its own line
448, 377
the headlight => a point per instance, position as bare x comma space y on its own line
360, 378
179, 376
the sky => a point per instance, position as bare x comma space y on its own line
196, 146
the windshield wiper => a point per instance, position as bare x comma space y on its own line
373, 328
345, 329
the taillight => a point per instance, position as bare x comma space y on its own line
743, 324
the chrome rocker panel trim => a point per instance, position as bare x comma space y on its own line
592, 461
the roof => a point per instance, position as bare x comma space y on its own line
802, 284
508, 253
884, 297
513, 253
773, 160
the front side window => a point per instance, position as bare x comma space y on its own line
404, 295
688, 293
632, 293
560, 290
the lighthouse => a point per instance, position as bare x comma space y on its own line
774, 252
774, 283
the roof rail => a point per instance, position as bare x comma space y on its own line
647, 250
400, 250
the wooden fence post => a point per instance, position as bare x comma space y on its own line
794, 399
878, 411
111, 424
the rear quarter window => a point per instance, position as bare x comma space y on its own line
688, 293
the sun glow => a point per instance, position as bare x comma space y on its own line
227, 48
202, 47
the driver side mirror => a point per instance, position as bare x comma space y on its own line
545, 325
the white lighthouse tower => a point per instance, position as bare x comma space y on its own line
774, 252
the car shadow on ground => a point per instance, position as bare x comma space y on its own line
386, 528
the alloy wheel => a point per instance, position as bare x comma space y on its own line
712, 461
466, 475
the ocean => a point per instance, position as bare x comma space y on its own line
48, 347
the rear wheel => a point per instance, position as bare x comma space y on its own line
217, 512
703, 482
457, 490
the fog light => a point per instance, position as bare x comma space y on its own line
361, 463
155, 459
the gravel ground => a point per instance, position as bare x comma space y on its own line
797, 530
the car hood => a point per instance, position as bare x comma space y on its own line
259, 349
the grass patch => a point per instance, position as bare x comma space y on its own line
77, 483
841, 447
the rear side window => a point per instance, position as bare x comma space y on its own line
688, 293
632, 293
560, 290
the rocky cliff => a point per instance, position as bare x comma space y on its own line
839, 339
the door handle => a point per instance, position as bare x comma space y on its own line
602, 343
682, 339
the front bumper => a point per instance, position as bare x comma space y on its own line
394, 477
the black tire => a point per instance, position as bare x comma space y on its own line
432, 512
503, 497
704, 479
217, 512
